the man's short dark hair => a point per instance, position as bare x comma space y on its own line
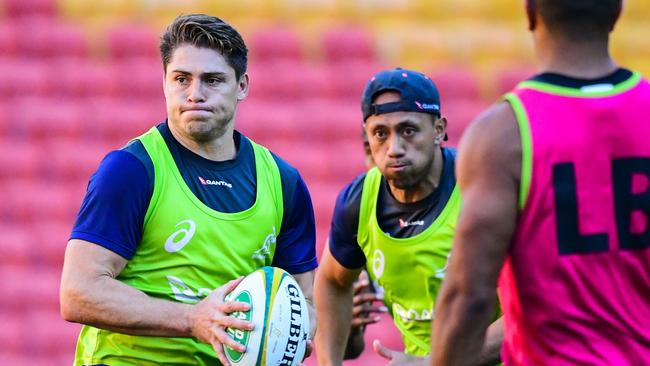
205, 31
579, 19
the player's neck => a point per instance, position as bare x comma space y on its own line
424, 187
582, 60
220, 148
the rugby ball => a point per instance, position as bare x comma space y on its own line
278, 310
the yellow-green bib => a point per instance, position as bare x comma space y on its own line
409, 270
187, 250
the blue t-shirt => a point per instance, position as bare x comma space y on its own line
113, 210
397, 219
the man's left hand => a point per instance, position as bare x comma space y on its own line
396, 358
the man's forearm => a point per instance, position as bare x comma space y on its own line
109, 304
460, 340
334, 307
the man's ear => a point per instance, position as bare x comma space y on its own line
243, 85
440, 126
531, 12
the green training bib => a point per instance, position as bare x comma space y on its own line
408, 271
187, 250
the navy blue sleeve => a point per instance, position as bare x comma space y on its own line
345, 223
116, 202
296, 244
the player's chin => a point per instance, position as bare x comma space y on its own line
400, 181
204, 129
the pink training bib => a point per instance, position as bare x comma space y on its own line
575, 288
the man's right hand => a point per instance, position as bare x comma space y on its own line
211, 316
364, 309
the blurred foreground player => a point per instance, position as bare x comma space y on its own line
556, 199
396, 221
169, 220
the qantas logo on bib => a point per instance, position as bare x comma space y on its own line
208, 182
403, 223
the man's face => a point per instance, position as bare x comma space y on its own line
202, 92
403, 143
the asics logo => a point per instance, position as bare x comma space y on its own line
179, 238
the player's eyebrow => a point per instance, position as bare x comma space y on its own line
209, 73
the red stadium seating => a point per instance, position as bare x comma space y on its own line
459, 114
510, 76
65, 164
51, 238
25, 289
41, 118
50, 335
51, 39
349, 77
139, 78
265, 121
132, 40
456, 83
351, 43
8, 38
19, 159
15, 248
286, 80
40, 199
329, 119
275, 43
28, 8
27, 78
116, 121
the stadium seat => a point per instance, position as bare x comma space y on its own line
144, 80
9, 38
71, 79
25, 289
49, 334
27, 78
16, 246
415, 45
132, 41
509, 76
288, 80
265, 121
19, 159
51, 237
28, 8
459, 115
275, 43
14, 336
331, 120
349, 43
455, 83
350, 77
135, 117
344, 170
49, 39
36, 200
41, 118
65, 164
